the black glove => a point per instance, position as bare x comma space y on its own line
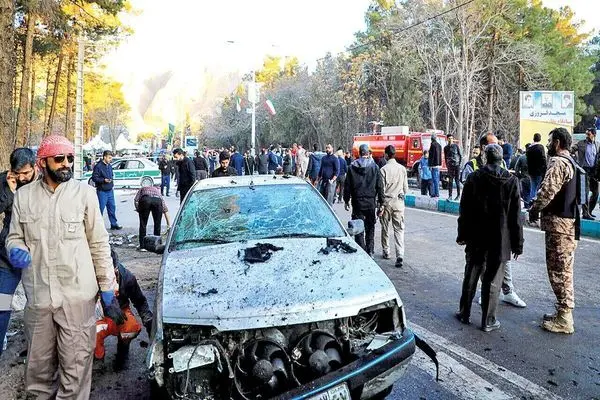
114, 312
534, 216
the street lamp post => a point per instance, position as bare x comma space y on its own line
254, 95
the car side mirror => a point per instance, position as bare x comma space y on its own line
355, 227
153, 244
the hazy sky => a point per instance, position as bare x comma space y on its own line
188, 37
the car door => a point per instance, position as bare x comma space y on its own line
134, 170
118, 173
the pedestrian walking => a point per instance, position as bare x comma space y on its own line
288, 165
273, 162
328, 172
508, 294
453, 158
263, 162
341, 179
57, 237
425, 174
148, 200
491, 195
314, 165
213, 161
103, 178
507, 148
364, 187
200, 165
395, 187
129, 292
557, 202
225, 169
249, 164
186, 173
536, 163
22, 171
435, 163
301, 161
587, 154
166, 167
237, 161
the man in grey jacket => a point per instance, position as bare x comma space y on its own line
587, 154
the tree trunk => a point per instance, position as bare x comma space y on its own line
52, 112
7, 66
23, 108
31, 105
69, 106
491, 83
46, 98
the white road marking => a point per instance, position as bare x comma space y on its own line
585, 239
458, 379
443, 345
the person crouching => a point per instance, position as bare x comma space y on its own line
130, 328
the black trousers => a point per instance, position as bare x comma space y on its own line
183, 189
146, 206
491, 284
591, 186
366, 240
453, 176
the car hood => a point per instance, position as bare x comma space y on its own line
213, 286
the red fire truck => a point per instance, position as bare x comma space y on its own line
409, 146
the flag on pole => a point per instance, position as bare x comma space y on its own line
270, 107
238, 103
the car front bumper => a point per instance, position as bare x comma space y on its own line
367, 376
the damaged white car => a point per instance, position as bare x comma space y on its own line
263, 294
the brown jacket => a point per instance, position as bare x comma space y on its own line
395, 184
64, 232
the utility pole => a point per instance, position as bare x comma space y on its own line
254, 99
79, 112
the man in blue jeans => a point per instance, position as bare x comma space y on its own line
22, 171
103, 178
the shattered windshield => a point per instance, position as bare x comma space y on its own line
234, 214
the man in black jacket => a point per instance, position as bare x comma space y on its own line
104, 180
22, 171
262, 162
435, 163
166, 167
186, 173
248, 164
489, 225
453, 157
536, 164
365, 187
587, 154
225, 169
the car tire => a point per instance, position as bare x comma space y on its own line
383, 394
157, 392
146, 181
91, 183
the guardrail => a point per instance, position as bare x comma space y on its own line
588, 228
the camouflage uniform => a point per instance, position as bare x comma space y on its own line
560, 233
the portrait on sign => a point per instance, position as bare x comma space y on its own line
547, 100
527, 100
567, 101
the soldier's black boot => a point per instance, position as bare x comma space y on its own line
122, 356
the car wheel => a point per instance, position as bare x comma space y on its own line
382, 395
157, 392
91, 182
147, 181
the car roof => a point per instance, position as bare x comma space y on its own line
247, 180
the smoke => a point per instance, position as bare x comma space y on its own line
151, 88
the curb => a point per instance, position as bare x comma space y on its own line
588, 228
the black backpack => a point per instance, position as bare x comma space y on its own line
580, 176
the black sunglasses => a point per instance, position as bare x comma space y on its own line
60, 158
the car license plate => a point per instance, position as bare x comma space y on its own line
339, 392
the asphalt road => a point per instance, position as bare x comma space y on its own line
522, 359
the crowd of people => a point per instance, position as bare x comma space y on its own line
54, 240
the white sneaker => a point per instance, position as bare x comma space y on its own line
512, 298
